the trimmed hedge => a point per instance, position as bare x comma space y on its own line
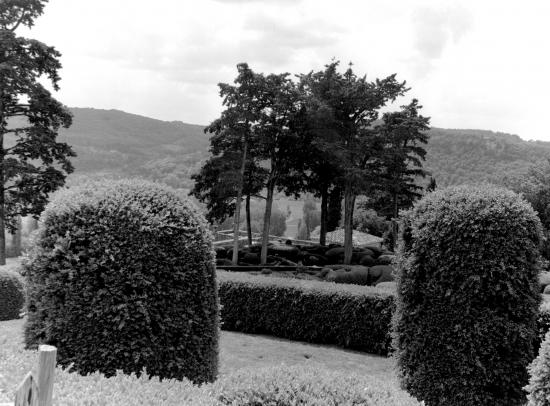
468, 297
349, 316
122, 277
11, 295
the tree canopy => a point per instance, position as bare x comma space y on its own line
32, 162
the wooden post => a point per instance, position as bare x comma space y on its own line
26, 393
38, 392
46, 370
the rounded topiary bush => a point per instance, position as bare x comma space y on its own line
467, 297
122, 277
11, 295
539, 382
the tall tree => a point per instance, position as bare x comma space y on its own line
352, 103
234, 129
278, 134
403, 134
32, 163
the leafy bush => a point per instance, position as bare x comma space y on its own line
307, 386
539, 388
11, 295
368, 221
349, 316
122, 277
468, 297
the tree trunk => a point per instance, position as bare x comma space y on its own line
248, 225
334, 212
267, 220
2, 209
237, 219
324, 215
349, 203
16, 238
33, 224
395, 206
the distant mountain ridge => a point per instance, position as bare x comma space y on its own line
114, 142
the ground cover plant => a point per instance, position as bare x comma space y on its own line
468, 291
122, 277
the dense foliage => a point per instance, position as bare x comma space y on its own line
539, 371
457, 156
33, 163
468, 297
122, 277
349, 316
11, 295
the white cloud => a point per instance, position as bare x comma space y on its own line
471, 63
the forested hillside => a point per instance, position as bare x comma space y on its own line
122, 144
471, 156
117, 143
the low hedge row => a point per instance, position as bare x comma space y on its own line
350, 316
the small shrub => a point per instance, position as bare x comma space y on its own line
11, 295
539, 371
122, 278
306, 386
349, 316
468, 297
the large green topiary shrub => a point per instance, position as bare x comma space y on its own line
11, 295
539, 382
122, 277
468, 297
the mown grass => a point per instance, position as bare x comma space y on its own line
237, 351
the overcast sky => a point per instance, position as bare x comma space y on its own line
472, 64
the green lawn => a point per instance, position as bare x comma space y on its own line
236, 351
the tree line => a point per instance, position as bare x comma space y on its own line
320, 133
